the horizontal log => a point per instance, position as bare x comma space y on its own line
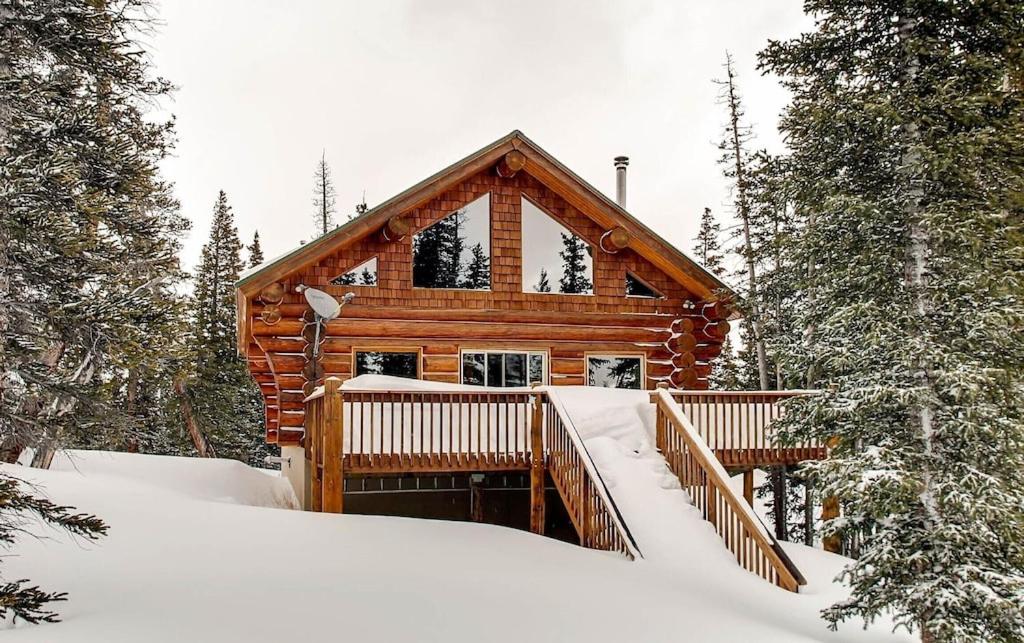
715, 310
566, 366
289, 438
684, 360
659, 369
615, 240
683, 325
713, 331
396, 228
685, 343
684, 378
567, 380
273, 293
707, 352
480, 331
451, 378
358, 311
441, 364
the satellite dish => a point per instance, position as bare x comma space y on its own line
325, 306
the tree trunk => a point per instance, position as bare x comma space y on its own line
10, 442
202, 445
779, 502
743, 207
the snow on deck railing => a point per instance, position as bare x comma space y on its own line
707, 482
600, 524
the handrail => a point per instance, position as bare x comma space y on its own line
705, 479
738, 426
591, 508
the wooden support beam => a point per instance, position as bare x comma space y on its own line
510, 164
332, 440
537, 508
395, 228
748, 486
614, 240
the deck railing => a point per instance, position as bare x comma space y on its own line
591, 508
363, 432
704, 478
738, 426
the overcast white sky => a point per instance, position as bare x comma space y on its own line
396, 90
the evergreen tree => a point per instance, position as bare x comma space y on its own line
19, 509
367, 278
227, 406
324, 197
478, 271
574, 277
542, 285
89, 237
735, 162
707, 245
905, 168
255, 251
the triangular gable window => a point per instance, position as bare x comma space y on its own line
554, 259
365, 274
455, 252
637, 288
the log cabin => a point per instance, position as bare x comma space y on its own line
503, 270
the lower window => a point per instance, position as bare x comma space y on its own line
503, 368
397, 364
615, 372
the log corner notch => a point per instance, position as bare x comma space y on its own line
271, 296
395, 229
614, 240
510, 164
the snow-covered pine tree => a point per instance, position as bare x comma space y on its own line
543, 283
367, 278
226, 405
905, 138
727, 372
88, 232
478, 270
574, 277
255, 250
324, 197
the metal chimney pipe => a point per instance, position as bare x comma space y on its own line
620, 180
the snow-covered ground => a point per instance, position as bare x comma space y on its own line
203, 550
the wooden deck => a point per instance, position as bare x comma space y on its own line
367, 433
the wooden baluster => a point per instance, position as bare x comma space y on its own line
315, 445
334, 421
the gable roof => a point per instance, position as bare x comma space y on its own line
539, 164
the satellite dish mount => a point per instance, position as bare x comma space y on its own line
325, 308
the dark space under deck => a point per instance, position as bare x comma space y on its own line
497, 499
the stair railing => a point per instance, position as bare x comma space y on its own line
705, 479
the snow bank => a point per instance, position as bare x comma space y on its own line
210, 479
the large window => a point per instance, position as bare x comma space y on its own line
554, 259
396, 363
494, 368
455, 252
613, 371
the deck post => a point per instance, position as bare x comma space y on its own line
537, 509
748, 486
314, 447
333, 426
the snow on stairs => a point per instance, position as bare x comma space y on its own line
619, 460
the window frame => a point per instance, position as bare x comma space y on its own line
641, 356
369, 348
544, 354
